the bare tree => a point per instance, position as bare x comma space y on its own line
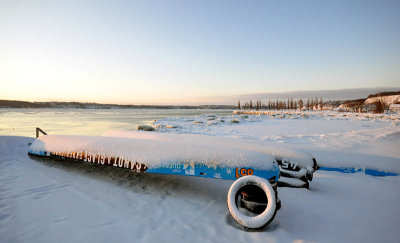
321, 103
301, 104
380, 106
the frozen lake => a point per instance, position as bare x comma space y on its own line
22, 122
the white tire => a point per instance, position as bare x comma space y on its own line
252, 222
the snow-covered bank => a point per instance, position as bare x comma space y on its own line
49, 201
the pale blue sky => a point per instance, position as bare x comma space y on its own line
170, 52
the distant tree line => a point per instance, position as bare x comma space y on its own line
290, 104
383, 94
87, 105
378, 105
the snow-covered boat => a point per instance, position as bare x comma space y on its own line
296, 167
252, 198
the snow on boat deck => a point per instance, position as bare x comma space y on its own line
279, 152
153, 153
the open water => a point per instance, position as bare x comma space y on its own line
23, 122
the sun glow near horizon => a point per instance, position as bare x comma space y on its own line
193, 53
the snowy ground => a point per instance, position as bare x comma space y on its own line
49, 201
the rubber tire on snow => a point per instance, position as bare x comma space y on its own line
261, 220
